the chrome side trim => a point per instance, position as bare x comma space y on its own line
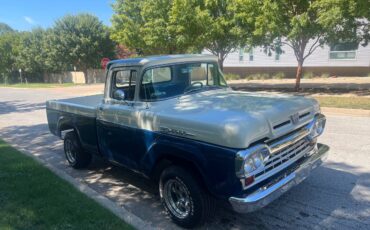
68, 107
266, 195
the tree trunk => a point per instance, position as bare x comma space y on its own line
221, 61
298, 76
86, 76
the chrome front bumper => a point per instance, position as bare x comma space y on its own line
264, 196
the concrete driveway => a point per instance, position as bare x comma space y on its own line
336, 196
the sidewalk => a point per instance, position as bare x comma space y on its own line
346, 112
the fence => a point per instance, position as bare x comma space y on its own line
95, 76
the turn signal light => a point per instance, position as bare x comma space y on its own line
249, 180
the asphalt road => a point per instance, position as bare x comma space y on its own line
336, 196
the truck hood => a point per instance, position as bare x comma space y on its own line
232, 118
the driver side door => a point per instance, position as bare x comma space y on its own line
116, 119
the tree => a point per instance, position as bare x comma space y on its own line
222, 33
4, 28
9, 48
177, 26
127, 23
305, 25
206, 24
31, 56
146, 26
79, 40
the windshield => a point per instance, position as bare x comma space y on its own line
175, 80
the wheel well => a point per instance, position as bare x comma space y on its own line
167, 161
65, 127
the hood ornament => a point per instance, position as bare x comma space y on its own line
294, 118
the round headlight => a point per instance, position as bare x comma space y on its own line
318, 126
255, 161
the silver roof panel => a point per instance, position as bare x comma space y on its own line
162, 59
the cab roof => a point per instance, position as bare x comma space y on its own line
162, 59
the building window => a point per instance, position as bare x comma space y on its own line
241, 54
251, 57
277, 56
343, 51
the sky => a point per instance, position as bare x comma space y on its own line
24, 15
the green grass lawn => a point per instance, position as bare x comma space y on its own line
345, 102
32, 197
38, 85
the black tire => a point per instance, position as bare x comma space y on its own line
75, 155
200, 203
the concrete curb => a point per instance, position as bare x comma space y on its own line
81, 186
346, 112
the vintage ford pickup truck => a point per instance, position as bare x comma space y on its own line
174, 120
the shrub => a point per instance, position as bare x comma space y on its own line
325, 75
279, 75
249, 77
308, 75
264, 76
231, 76
255, 76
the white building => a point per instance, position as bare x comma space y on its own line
338, 60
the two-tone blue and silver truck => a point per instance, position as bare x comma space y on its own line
174, 120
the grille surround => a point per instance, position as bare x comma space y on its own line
289, 155
284, 151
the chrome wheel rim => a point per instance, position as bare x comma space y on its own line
177, 198
70, 151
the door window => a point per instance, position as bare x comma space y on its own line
124, 83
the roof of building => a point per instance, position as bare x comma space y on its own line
162, 59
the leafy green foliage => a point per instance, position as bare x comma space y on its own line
279, 75
179, 26
308, 75
75, 40
222, 33
4, 28
80, 40
231, 76
305, 25
9, 49
31, 56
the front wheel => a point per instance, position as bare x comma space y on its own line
75, 155
184, 198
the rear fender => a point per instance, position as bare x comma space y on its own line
65, 124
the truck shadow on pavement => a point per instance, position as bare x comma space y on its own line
19, 106
334, 196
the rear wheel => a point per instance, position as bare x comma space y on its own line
75, 155
184, 198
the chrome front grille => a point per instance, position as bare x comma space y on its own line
286, 156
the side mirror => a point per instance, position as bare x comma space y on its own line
119, 94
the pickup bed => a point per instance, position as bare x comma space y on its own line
174, 120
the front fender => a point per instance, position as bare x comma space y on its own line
215, 164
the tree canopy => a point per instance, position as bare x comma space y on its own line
305, 25
4, 28
9, 49
80, 40
178, 26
